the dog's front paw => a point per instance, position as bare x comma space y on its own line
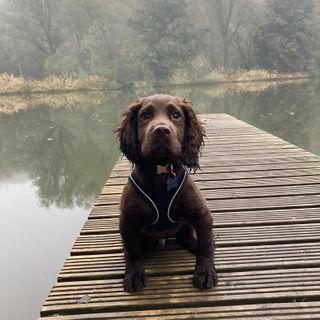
134, 280
205, 277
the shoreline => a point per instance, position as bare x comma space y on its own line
35, 92
230, 82
15, 102
49, 92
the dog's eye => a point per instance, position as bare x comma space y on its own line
145, 115
176, 115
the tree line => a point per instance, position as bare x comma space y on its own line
132, 40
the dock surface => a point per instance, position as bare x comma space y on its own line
264, 194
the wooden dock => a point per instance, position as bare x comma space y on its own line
265, 196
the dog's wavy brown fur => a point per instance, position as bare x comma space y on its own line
163, 129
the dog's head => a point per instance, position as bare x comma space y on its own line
162, 129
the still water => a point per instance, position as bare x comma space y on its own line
56, 153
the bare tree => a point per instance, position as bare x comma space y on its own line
228, 24
251, 13
35, 22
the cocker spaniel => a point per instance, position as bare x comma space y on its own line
161, 136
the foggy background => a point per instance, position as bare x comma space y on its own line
134, 40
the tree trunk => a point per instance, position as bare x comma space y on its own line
226, 53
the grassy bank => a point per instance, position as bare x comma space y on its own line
10, 104
225, 89
10, 85
227, 76
52, 84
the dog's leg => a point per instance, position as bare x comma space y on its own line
162, 243
187, 237
134, 278
205, 275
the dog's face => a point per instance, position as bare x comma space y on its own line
161, 128
161, 124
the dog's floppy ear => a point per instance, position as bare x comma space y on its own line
193, 136
128, 132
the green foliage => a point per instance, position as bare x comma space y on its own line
284, 41
169, 38
192, 71
61, 65
105, 42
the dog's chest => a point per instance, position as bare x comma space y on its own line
161, 202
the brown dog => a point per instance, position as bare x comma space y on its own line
162, 136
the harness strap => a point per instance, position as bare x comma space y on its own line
160, 203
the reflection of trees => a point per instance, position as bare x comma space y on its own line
67, 152
290, 111
53, 172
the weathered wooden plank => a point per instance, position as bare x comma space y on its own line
173, 261
124, 165
266, 217
250, 160
261, 192
252, 151
234, 183
231, 193
242, 204
281, 202
224, 216
279, 311
240, 183
104, 224
101, 242
237, 168
177, 291
258, 174
244, 183
253, 154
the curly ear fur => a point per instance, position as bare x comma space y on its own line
128, 133
193, 137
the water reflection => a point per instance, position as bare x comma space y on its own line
290, 111
66, 152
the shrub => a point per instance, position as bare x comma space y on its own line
61, 65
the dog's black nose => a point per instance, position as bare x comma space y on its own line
161, 129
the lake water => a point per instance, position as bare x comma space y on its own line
57, 152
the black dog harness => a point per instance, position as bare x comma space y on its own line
161, 202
